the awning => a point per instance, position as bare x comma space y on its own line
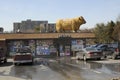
2, 39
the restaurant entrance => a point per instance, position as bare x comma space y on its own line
64, 46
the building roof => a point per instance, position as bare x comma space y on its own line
9, 36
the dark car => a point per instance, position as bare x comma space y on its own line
116, 53
3, 57
112, 52
102, 47
107, 51
23, 55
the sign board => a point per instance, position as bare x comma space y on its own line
77, 45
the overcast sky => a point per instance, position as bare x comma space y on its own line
94, 11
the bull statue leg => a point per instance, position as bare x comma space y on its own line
73, 28
73, 31
58, 28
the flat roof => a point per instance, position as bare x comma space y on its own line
2, 39
6, 36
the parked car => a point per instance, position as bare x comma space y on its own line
111, 52
23, 55
116, 53
102, 47
3, 56
95, 45
108, 52
89, 53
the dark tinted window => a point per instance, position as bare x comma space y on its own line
24, 50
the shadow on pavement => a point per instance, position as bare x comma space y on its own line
6, 64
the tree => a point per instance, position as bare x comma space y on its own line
99, 31
106, 33
37, 29
116, 32
110, 29
40, 28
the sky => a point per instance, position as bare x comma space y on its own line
93, 11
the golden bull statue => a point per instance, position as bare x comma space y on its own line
69, 24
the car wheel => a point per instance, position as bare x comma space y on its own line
5, 60
104, 56
15, 64
84, 58
98, 58
31, 63
114, 57
76, 57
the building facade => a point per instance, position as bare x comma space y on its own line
45, 44
1, 30
51, 27
29, 26
63, 46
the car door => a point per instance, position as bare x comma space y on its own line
82, 53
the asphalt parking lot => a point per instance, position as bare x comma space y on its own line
64, 68
108, 61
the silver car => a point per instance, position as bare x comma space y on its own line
89, 53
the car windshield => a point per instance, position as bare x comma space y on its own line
24, 50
